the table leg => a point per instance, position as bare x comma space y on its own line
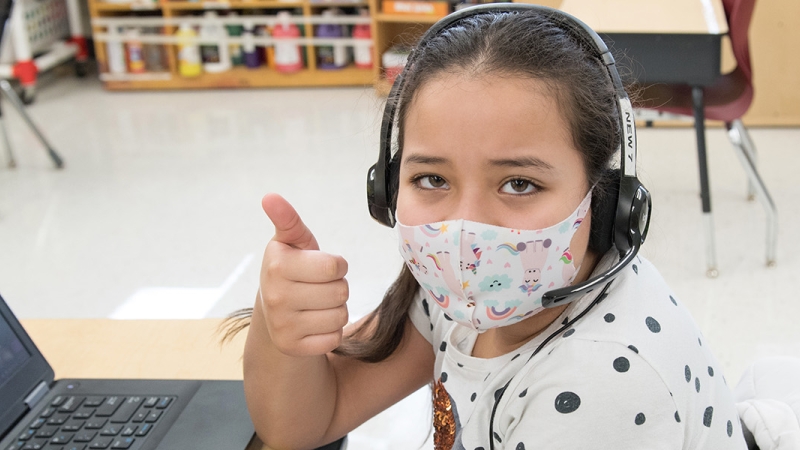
705, 193
5, 89
5, 140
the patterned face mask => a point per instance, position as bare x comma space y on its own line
484, 276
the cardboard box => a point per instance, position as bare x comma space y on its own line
416, 7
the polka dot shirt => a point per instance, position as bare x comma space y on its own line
633, 373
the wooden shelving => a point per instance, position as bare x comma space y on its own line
237, 76
387, 29
236, 4
241, 77
115, 7
337, 4
406, 18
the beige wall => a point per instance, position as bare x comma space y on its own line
775, 50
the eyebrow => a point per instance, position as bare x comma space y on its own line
428, 160
521, 162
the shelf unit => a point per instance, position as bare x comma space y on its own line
169, 12
389, 29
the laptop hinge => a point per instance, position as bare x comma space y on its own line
37, 394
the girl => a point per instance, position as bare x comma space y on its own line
507, 127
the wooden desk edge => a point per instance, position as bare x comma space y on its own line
106, 348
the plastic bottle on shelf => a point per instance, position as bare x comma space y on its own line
153, 53
215, 55
134, 51
331, 56
116, 53
287, 54
362, 52
237, 57
261, 31
394, 60
249, 53
189, 63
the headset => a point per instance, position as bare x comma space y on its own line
633, 204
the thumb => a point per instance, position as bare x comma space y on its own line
289, 228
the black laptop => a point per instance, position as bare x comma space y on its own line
39, 412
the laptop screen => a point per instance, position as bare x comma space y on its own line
22, 368
12, 353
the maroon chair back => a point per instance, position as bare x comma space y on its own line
731, 96
739, 14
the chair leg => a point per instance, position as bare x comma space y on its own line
12, 97
705, 192
9, 153
750, 148
745, 150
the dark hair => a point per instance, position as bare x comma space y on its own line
530, 44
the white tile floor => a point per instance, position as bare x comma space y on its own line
160, 203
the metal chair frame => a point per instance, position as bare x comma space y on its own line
7, 91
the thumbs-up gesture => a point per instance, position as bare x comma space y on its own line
303, 290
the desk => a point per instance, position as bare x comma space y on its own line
676, 41
104, 348
636, 16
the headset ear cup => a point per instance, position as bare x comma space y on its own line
377, 201
604, 211
640, 213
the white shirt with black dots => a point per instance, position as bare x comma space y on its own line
633, 373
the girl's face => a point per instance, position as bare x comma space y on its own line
490, 149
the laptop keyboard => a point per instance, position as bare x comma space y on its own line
86, 423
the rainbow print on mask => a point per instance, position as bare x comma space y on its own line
441, 299
493, 311
434, 230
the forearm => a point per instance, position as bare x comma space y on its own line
291, 399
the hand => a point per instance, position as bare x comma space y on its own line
303, 290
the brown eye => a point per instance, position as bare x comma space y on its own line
518, 186
432, 182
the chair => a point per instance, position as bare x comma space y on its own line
726, 100
13, 98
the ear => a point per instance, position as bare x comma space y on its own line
604, 209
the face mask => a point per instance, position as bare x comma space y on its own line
484, 276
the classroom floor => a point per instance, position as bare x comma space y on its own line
159, 204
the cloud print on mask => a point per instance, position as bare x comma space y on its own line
495, 283
489, 235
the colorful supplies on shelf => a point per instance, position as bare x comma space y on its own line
189, 62
394, 60
331, 56
362, 52
116, 53
134, 52
214, 49
288, 56
235, 50
249, 51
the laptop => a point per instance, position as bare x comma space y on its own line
39, 412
